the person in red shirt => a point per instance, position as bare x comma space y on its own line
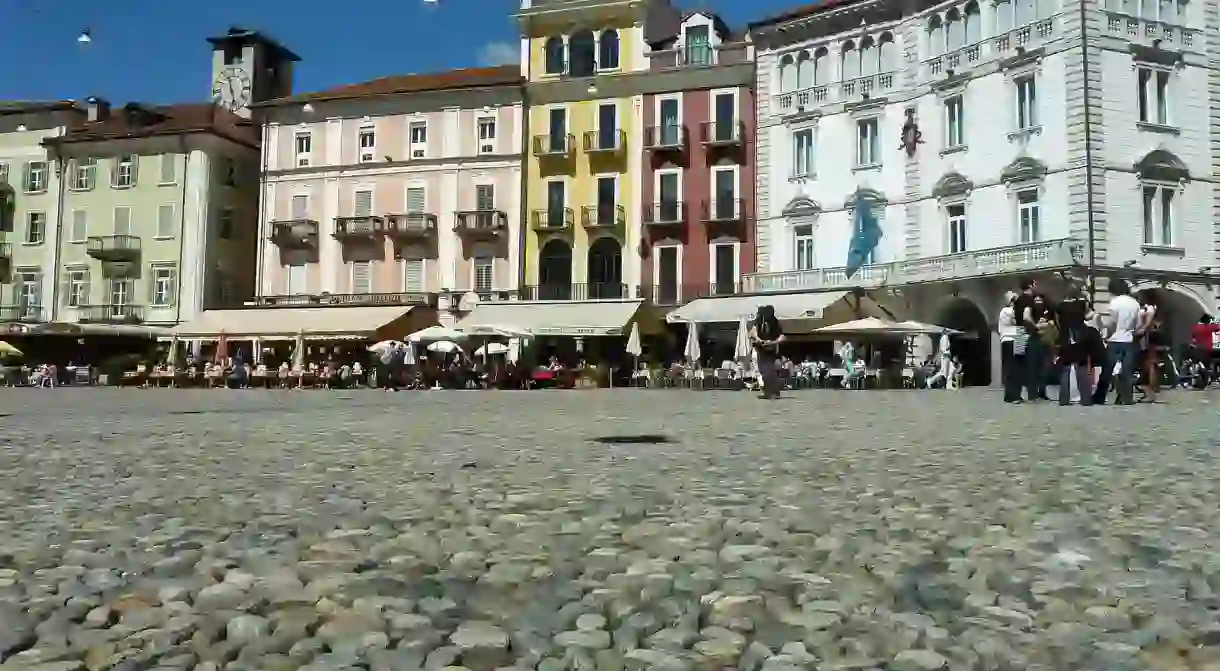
1203, 339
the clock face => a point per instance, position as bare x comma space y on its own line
232, 88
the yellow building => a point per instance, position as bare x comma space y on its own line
584, 156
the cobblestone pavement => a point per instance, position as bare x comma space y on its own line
831, 530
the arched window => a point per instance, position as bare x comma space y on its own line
821, 67
851, 61
936, 37
887, 54
1003, 17
974, 25
804, 71
868, 57
607, 52
787, 74
954, 33
582, 57
554, 56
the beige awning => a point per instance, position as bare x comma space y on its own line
316, 323
788, 307
557, 318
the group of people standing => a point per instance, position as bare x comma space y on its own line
1036, 334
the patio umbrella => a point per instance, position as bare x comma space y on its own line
408, 355
8, 350
918, 328
742, 348
492, 348
633, 341
384, 345
866, 326
496, 330
692, 352
171, 358
222, 348
298, 352
434, 333
444, 347
514, 350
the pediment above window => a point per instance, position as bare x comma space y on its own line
1162, 166
1023, 169
952, 185
801, 206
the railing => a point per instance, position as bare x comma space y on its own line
723, 209
966, 57
294, 232
118, 314
677, 294
1050, 254
602, 216
336, 300
358, 227
552, 144
491, 222
112, 246
592, 291
698, 55
22, 313
666, 136
846, 91
1133, 27
721, 132
609, 140
665, 213
552, 219
410, 224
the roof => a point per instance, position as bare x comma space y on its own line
243, 36
802, 12
136, 120
450, 80
35, 106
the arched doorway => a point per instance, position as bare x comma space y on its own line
605, 269
973, 348
1178, 308
555, 271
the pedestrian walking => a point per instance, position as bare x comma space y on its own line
766, 335
1122, 352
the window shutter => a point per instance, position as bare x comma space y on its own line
122, 221
80, 225
165, 221
300, 207
364, 203
413, 275
485, 197
85, 297
65, 289
416, 200
168, 169
362, 280
297, 280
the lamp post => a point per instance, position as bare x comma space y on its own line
1088, 151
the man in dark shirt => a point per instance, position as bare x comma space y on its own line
1035, 352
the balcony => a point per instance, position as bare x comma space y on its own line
295, 233
677, 294
722, 133
723, 210
554, 145
665, 138
605, 141
1136, 29
411, 225
25, 314
698, 55
603, 216
326, 299
592, 291
1004, 45
1011, 260
113, 247
359, 228
111, 314
552, 219
665, 213
805, 100
481, 223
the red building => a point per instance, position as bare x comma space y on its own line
698, 183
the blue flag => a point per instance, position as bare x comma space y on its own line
865, 237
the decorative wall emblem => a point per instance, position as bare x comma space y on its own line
911, 135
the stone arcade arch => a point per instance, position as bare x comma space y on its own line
974, 349
555, 271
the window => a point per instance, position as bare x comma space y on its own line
3, 173
803, 246
304, 145
368, 145
556, 203
668, 268
582, 55
955, 123
1158, 214
120, 295
554, 56
76, 291
866, 143
669, 196
802, 153
417, 198
724, 268
413, 275
1027, 103
300, 207
607, 50
29, 294
1153, 96
1028, 215
607, 196
362, 277
484, 273
607, 126
724, 194
164, 286
225, 224
124, 172
363, 204
169, 169
35, 176
122, 221
957, 228
725, 111
487, 135
557, 130
84, 174
419, 139
298, 280
484, 197
35, 228
80, 226
697, 49
165, 221
228, 171
671, 122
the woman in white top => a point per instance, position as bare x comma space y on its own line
1012, 352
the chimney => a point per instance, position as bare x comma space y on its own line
98, 108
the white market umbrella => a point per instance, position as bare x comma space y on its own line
171, 359
444, 347
514, 350
633, 341
741, 347
491, 348
692, 351
866, 326
384, 345
496, 331
408, 354
298, 353
913, 327
435, 333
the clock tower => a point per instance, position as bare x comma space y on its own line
249, 67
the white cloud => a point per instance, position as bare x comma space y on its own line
499, 53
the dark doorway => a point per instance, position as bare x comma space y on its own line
605, 269
555, 271
973, 349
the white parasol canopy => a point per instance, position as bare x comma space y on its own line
444, 347
384, 345
298, 353
434, 333
634, 348
913, 327
866, 326
496, 331
692, 351
742, 348
492, 348
514, 350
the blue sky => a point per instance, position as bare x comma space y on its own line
154, 51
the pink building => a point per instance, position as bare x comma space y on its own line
398, 186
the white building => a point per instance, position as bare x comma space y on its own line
998, 185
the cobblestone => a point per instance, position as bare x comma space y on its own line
485, 530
